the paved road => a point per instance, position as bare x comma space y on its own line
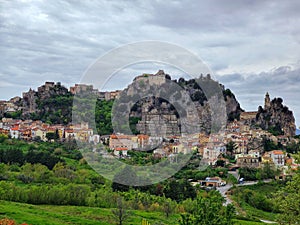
224, 189
267, 221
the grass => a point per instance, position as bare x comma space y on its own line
61, 215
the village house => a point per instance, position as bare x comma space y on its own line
4, 131
266, 159
122, 151
95, 138
278, 157
25, 133
15, 132
212, 152
70, 134
39, 132
142, 141
177, 148
83, 134
249, 161
212, 182
254, 153
120, 141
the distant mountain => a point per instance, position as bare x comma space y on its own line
297, 132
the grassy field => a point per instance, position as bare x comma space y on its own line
61, 215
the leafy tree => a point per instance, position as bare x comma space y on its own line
220, 163
120, 214
269, 145
293, 147
50, 136
13, 156
128, 175
3, 137
179, 190
231, 147
103, 117
288, 201
168, 207
209, 210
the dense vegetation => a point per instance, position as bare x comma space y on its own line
26, 177
57, 109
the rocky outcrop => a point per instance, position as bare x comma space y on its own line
195, 103
276, 118
52, 102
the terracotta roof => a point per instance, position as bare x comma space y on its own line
121, 149
15, 128
121, 136
277, 152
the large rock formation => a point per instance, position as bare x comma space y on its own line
276, 117
178, 105
52, 102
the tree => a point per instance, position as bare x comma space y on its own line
120, 214
179, 190
3, 137
231, 147
288, 201
13, 156
126, 175
269, 145
168, 207
209, 210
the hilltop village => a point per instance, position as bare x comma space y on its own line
251, 140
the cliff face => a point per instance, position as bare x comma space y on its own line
185, 99
51, 102
276, 118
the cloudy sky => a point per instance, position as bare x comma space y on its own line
252, 46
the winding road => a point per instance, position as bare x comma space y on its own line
224, 189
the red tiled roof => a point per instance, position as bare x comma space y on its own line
121, 149
15, 128
277, 152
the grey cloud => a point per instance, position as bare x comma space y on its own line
58, 40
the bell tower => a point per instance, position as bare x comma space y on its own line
267, 101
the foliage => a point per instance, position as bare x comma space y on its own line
269, 145
293, 148
288, 201
276, 130
252, 174
120, 213
257, 201
231, 147
14, 115
132, 123
103, 117
209, 209
3, 137
179, 190
56, 109
126, 175
52, 135
76, 215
